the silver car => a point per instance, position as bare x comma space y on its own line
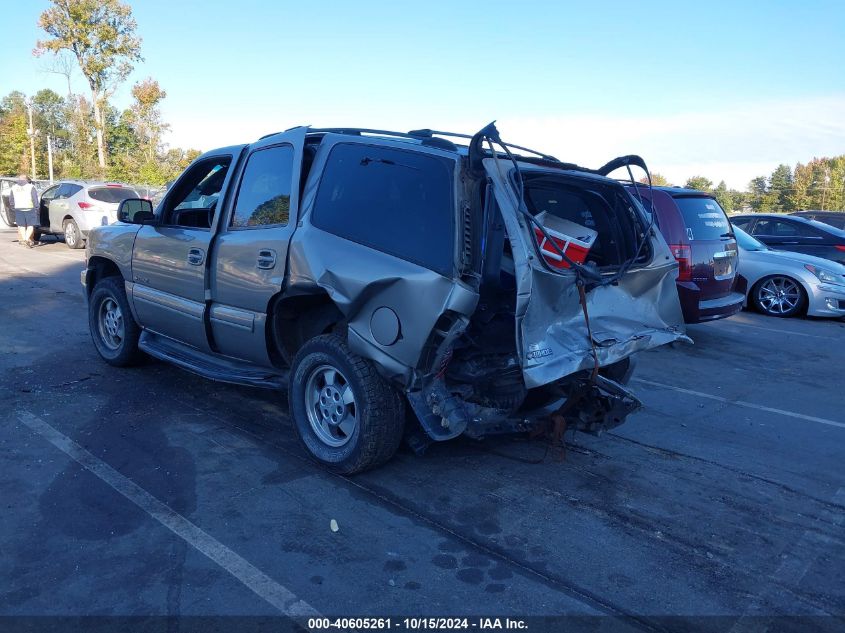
785, 283
74, 207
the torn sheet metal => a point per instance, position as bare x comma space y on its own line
639, 312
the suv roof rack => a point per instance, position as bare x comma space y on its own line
424, 135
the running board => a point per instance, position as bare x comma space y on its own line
209, 366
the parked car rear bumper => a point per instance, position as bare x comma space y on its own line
695, 310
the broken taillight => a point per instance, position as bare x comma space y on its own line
681, 252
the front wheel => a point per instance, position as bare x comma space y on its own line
779, 296
113, 328
73, 236
346, 415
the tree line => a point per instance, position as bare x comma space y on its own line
89, 137
819, 184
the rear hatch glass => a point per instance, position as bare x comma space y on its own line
703, 218
111, 195
713, 251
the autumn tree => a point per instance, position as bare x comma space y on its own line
101, 36
14, 148
658, 180
146, 116
699, 182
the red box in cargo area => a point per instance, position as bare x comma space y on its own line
573, 239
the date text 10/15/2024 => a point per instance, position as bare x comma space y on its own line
416, 624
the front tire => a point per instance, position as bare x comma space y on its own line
113, 328
779, 296
73, 236
346, 415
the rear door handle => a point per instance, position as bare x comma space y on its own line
266, 259
196, 256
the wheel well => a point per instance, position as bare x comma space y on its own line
99, 268
294, 320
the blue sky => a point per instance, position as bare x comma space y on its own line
727, 90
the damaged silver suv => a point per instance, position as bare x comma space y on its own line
421, 285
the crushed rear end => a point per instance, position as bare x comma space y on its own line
548, 342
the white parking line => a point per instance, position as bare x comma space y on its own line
742, 403
257, 581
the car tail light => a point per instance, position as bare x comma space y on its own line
681, 252
84, 205
840, 247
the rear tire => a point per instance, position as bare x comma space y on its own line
779, 296
113, 328
73, 236
348, 417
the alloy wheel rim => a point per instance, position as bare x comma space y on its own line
331, 406
110, 321
779, 295
70, 234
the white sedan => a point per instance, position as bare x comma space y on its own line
785, 284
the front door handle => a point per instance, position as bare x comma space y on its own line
266, 259
196, 256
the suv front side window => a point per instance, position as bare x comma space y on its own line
396, 201
193, 201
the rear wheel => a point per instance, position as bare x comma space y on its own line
73, 236
347, 416
113, 328
779, 296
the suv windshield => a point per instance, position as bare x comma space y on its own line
703, 217
111, 195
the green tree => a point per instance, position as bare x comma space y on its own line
723, 196
780, 188
760, 198
802, 180
699, 182
101, 35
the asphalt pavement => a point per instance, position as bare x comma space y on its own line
150, 491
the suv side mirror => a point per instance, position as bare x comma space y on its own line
135, 211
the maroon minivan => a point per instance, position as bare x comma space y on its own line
702, 240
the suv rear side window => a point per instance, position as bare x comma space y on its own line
111, 195
264, 192
399, 202
704, 218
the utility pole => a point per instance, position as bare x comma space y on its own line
824, 189
31, 133
50, 157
